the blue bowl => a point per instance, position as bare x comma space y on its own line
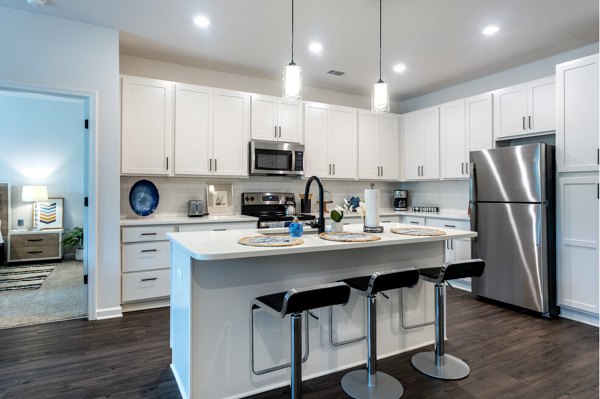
143, 198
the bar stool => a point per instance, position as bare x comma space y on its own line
294, 303
371, 383
437, 364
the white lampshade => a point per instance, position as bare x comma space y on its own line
380, 98
292, 82
34, 193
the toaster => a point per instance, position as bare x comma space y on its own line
196, 208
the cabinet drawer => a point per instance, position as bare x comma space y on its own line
449, 223
217, 226
33, 240
35, 252
146, 233
146, 285
145, 256
413, 220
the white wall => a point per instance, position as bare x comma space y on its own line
534, 70
186, 74
54, 53
42, 144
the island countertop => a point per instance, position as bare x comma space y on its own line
219, 245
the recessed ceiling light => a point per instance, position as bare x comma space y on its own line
490, 30
399, 68
315, 47
201, 21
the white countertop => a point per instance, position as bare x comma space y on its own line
142, 221
218, 245
458, 215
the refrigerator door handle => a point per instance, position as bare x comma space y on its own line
472, 182
473, 218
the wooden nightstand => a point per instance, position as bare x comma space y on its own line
34, 245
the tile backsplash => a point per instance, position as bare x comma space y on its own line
448, 195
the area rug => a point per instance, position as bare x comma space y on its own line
27, 277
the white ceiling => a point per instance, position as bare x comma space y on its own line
440, 41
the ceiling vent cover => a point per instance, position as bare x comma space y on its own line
336, 73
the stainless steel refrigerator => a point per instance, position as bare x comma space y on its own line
512, 210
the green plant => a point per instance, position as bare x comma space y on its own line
337, 214
73, 238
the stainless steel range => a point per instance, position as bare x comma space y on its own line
272, 209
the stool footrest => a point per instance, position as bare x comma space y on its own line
449, 367
355, 385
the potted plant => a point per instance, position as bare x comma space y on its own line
74, 239
337, 214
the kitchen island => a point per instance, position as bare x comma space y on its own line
214, 279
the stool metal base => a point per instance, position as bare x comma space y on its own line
451, 367
355, 385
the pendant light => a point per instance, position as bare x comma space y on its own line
292, 74
380, 96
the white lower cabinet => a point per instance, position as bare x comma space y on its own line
413, 220
217, 226
577, 242
146, 285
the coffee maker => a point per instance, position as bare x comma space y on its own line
400, 200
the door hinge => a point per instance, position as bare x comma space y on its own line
85, 279
86, 201
86, 124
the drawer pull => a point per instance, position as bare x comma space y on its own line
220, 230
449, 225
148, 234
150, 279
149, 250
35, 252
386, 221
415, 223
35, 239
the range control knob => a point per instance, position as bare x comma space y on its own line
251, 198
246, 198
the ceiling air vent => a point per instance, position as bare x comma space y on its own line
336, 73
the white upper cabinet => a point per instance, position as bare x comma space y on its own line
146, 126
389, 146
276, 119
230, 133
525, 109
378, 146
479, 123
330, 141
421, 132
577, 147
193, 129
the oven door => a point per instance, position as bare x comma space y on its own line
274, 158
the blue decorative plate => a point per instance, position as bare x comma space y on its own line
143, 198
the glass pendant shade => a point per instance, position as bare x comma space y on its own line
380, 98
292, 82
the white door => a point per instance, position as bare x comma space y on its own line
230, 133
431, 144
453, 140
413, 134
510, 111
342, 142
479, 123
264, 118
289, 116
368, 145
389, 148
577, 249
577, 115
316, 137
193, 129
146, 126
541, 105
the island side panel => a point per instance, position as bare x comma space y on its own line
220, 311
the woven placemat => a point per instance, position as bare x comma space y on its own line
270, 241
349, 237
417, 231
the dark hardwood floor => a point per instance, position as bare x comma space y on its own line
511, 355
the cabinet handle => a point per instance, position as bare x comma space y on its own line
215, 164
330, 169
167, 162
210, 164
279, 131
449, 225
447, 245
523, 123
149, 250
334, 169
35, 239
148, 234
34, 252
150, 279
219, 229
275, 131
414, 223
382, 171
529, 121
386, 221
462, 168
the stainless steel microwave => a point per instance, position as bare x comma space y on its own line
276, 158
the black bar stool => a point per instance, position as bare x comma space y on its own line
437, 364
371, 383
294, 303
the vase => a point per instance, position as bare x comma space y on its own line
337, 227
79, 254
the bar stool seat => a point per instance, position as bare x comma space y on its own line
294, 302
371, 383
438, 364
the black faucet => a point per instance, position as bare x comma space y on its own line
321, 220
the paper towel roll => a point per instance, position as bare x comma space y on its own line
372, 203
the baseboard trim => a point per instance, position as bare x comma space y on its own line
577, 315
145, 305
108, 313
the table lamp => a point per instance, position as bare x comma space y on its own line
35, 194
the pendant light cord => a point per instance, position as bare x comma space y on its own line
380, 81
292, 63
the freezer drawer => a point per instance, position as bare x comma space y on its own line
512, 240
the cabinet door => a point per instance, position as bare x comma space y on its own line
146, 126
230, 135
479, 123
431, 144
316, 131
368, 146
342, 142
264, 118
413, 135
193, 129
577, 250
577, 115
541, 96
389, 148
453, 140
289, 117
510, 111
